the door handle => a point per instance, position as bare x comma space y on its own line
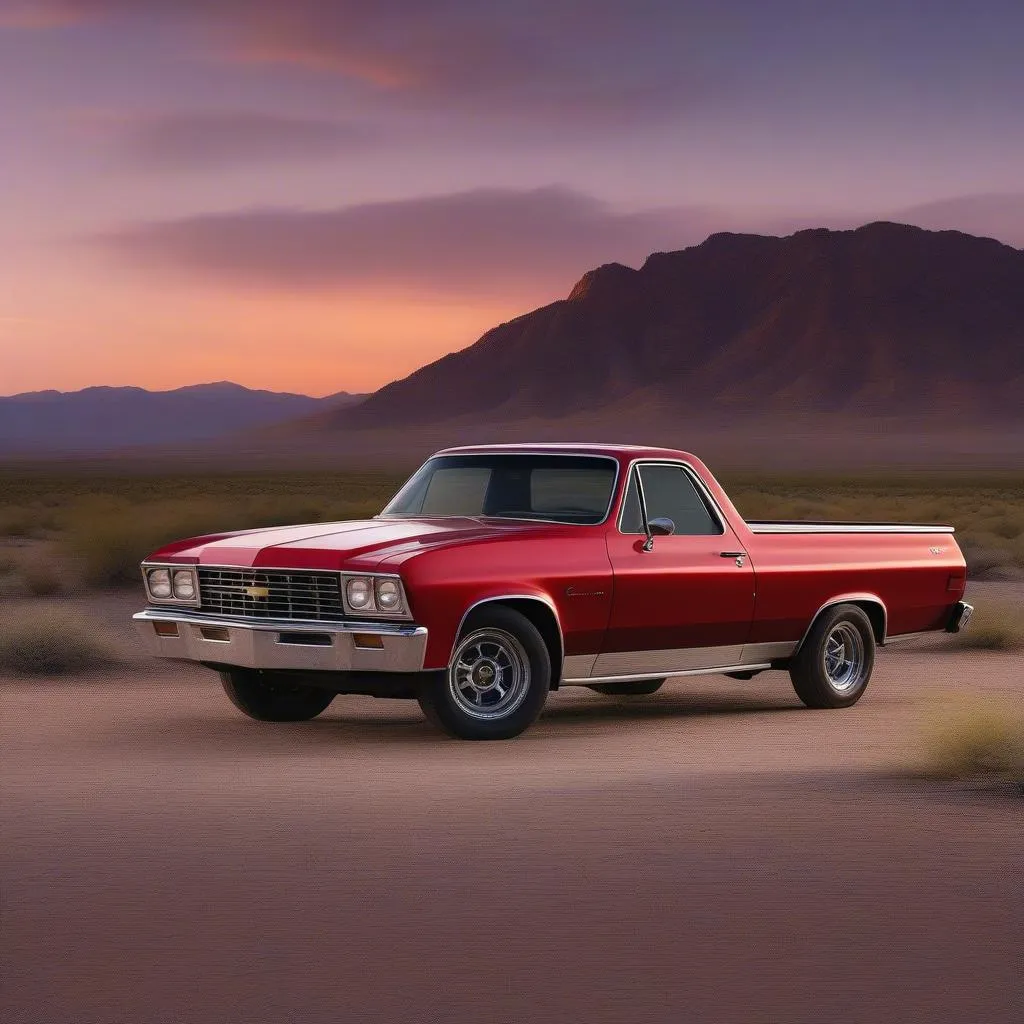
738, 555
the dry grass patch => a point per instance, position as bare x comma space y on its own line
994, 627
51, 640
977, 741
40, 578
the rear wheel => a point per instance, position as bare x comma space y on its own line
497, 682
833, 666
268, 697
640, 688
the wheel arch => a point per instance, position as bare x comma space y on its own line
872, 606
541, 611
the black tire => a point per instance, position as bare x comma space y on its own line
640, 688
821, 677
497, 645
268, 697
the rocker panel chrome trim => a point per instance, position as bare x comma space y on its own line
768, 651
661, 662
716, 670
578, 666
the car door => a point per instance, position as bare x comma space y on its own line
686, 603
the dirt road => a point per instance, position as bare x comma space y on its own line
710, 853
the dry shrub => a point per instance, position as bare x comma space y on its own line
994, 627
50, 641
985, 563
16, 522
1008, 528
40, 578
109, 542
984, 740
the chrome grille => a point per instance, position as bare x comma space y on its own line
314, 596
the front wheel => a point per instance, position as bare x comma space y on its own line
832, 668
268, 697
497, 681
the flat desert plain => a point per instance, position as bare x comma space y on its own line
713, 852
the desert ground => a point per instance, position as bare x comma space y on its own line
713, 852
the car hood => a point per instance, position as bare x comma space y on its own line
361, 545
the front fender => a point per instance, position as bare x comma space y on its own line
444, 615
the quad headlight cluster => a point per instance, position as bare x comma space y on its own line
171, 584
375, 596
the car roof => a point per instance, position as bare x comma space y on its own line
620, 451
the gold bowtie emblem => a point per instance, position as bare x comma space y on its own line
257, 592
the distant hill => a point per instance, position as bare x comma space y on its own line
886, 319
105, 417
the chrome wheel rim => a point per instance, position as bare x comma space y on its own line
844, 657
489, 674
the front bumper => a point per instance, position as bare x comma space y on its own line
283, 644
960, 616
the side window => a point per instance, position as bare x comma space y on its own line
669, 493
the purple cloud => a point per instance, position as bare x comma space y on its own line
536, 58
488, 242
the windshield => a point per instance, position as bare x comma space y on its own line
551, 488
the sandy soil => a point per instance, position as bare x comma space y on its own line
713, 852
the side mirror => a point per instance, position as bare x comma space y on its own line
662, 527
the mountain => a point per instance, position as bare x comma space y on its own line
106, 417
886, 319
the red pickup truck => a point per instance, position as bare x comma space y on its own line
501, 572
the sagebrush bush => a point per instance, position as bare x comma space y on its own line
979, 740
994, 627
40, 578
50, 641
15, 522
987, 563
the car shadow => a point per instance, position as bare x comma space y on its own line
666, 705
364, 722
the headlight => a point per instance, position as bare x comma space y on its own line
159, 582
184, 585
171, 583
359, 592
381, 596
389, 596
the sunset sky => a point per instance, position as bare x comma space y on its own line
320, 195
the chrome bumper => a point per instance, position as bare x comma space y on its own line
282, 644
961, 615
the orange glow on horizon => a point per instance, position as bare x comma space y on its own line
163, 339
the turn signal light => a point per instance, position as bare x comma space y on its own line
368, 641
165, 628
